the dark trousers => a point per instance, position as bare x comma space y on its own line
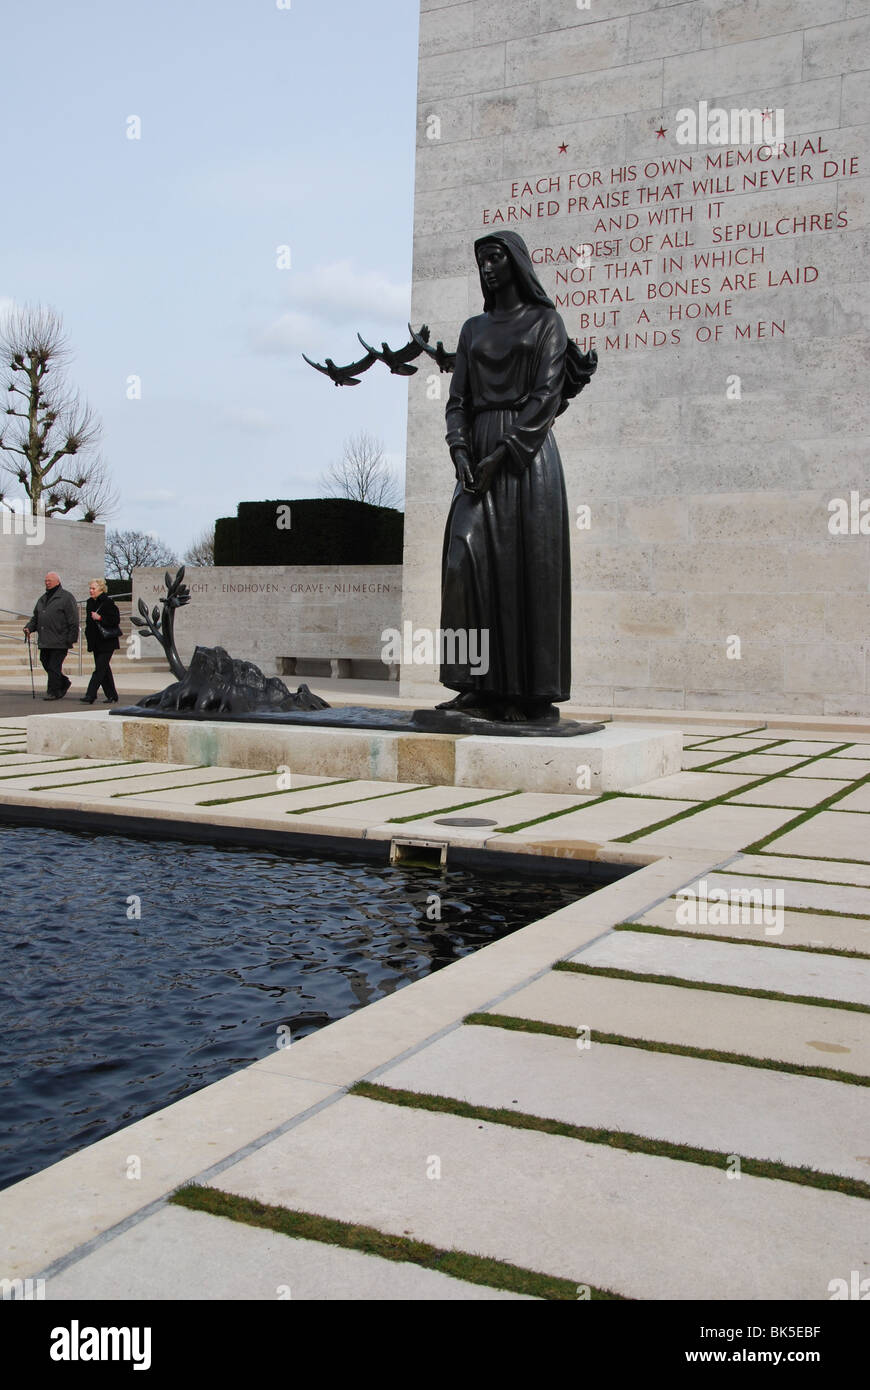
102, 677
52, 659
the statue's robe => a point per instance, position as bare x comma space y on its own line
506, 561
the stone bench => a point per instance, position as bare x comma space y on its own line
340, 667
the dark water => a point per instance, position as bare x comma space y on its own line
106, 1018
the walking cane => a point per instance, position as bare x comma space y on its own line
30, 654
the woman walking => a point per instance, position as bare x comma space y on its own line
103, 632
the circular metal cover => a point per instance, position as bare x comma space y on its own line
464, 820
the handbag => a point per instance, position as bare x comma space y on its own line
105, 631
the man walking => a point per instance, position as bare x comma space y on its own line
56, 623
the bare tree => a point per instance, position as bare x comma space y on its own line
201, 548
129, 550
363, 474
49, 440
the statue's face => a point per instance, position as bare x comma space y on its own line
496, 269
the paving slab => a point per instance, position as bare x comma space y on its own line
825, 897
777, 928
720, 962
105, 780
692, 759
857, 750
834, 834
846, 769
736, 744
38, 766
797, 792
858, 800
693, 786
717, 828
809, 1035
244, 784
821, 870
376, 814
760, 764
604, 820
809, 747
750, 1111
586, 1212
503, 812
179, 1254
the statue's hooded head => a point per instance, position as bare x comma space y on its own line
530, 289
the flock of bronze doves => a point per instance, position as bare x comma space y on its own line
397, 360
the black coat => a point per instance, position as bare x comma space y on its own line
55, 619
101, 612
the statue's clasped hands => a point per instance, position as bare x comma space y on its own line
477, 480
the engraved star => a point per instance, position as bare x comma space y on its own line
563, 149
661, 132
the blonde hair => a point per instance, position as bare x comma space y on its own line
100, 583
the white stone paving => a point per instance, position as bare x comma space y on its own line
640, 1225
181, 1254
723, 963
688, 1100
807, 1034
589, 1213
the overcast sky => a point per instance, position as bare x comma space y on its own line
260, 127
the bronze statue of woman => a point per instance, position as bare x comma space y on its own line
506, 564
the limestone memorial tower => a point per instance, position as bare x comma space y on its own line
692, 182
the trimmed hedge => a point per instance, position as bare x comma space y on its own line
322, 531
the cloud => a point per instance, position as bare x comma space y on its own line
248, 418
159, 495
335, 296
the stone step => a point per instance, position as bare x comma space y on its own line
719, 962
808, 1035
640, 1225
747, 1111
183, 1254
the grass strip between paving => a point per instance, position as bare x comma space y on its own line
797, 878
209, 782
357, 800
653, 930
758, 846
301, 1225
738, 753
727, 797
448, 810
615, 1139
62, 772
554, 815
612, 973
94, 781
511, 1023
699, 744
280, 791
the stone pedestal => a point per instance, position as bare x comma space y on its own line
612, 759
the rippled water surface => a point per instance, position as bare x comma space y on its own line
106, 1017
